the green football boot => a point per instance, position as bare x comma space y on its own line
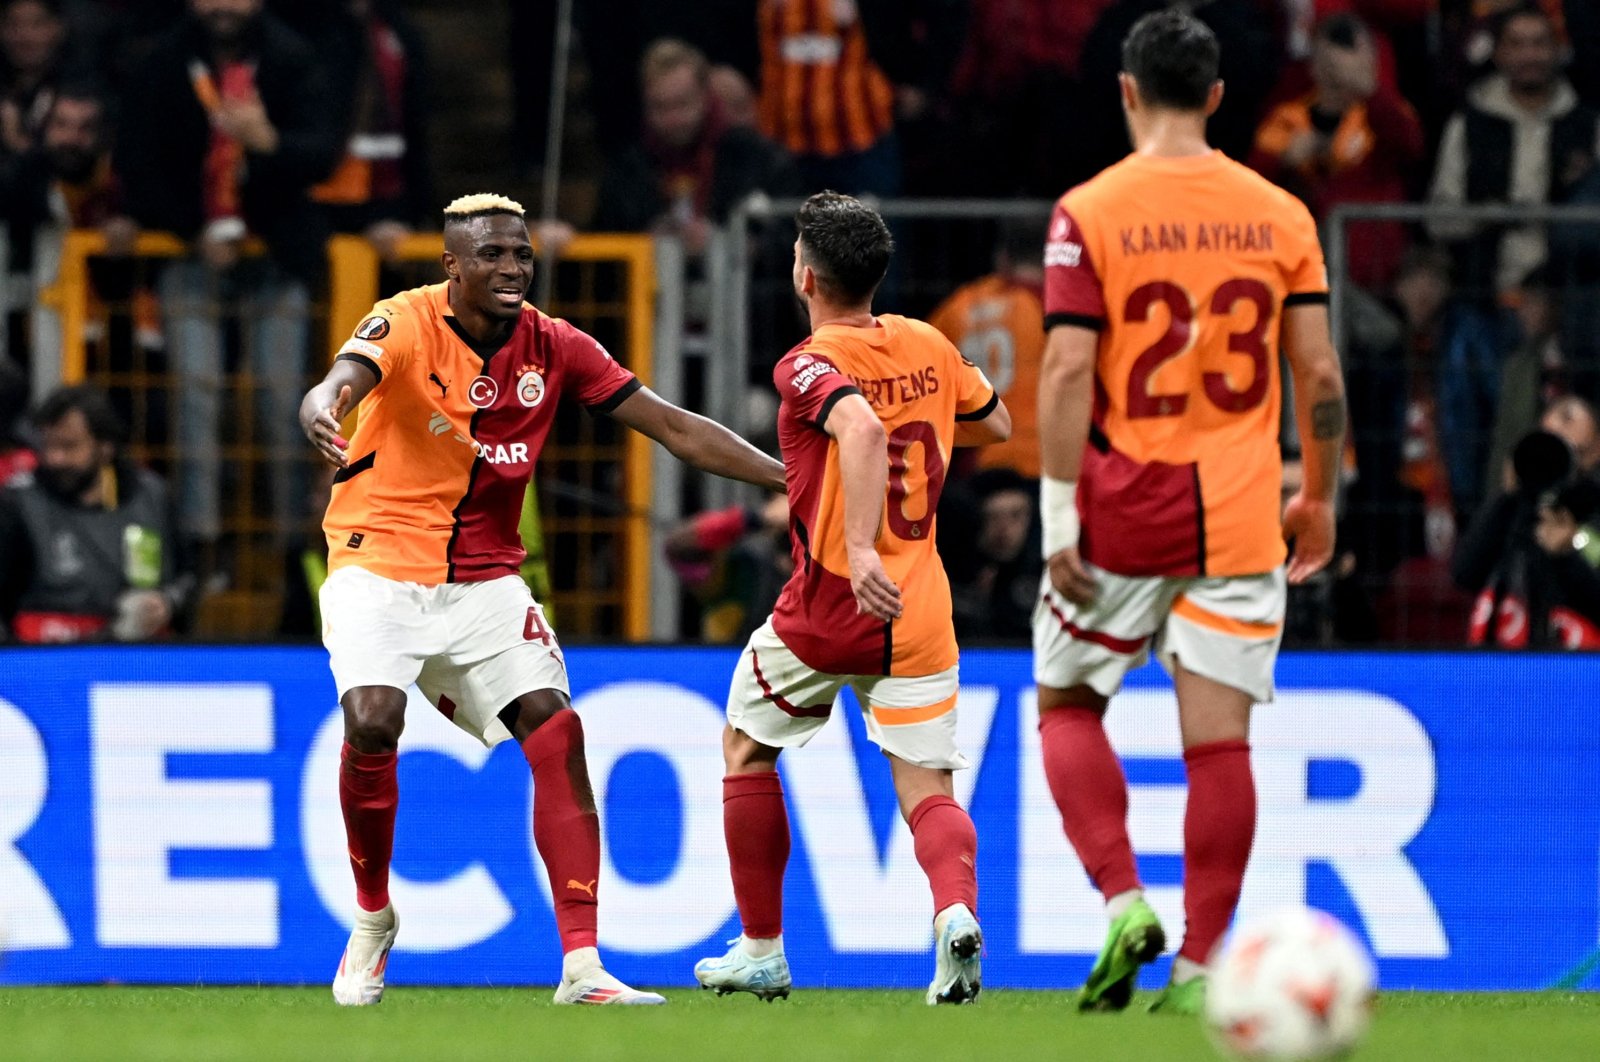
1186, 997
1135, 938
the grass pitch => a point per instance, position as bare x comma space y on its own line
218, 1024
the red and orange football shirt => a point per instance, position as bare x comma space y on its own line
447, 440
920, 386
994, 322
1184, 266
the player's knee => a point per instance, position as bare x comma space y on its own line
1084, 696
374, 716
743, 754
532, 711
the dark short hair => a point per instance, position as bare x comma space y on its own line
104, 424
52, 6
1021, 240
1343, 29
846, 244
1000, 479
1174, 57
1527, 9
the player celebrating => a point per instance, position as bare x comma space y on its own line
458, 385
869, 410
1173, 279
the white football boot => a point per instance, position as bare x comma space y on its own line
359, 982
957, 977
585, 982
766, 977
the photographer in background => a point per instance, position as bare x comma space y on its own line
86, 547
1532, 591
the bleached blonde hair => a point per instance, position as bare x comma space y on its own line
479, 205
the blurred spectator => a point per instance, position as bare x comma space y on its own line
614, 35
373, 58
227, 126
1348, 140
825, 97
992, 558
735, 562
33, 38
1524, 138
66, 179
16, 459
994, 322
691, 166
1573, 420
1531, 593
1535, 373
86, 552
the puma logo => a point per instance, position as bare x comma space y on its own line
968, 861
573, 883
357, 860
444, 388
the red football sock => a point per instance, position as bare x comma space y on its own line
369, 793
1090, 790
566, 829
947, 847
756, 826
1218, 827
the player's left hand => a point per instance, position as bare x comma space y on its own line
1071, 578
876, 594
1308, 522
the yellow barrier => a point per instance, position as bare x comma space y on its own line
354, 268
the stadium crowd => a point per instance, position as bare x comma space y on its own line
1473, 350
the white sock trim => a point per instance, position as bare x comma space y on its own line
580, 962
761, 947
1118, 905
1186, 970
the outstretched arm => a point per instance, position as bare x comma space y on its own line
326, 404
697, 441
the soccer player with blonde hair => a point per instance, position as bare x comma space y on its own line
457, 385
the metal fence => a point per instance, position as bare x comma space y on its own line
91, 317
1437, 404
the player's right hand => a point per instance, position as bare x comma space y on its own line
876, 594
323, 429
1071, 577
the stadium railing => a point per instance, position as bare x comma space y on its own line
595, 481
1388, 588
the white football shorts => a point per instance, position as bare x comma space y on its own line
778, 700
1226, 628
471, 648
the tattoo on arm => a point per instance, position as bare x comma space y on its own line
1327, 419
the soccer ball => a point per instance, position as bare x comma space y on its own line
1295, 984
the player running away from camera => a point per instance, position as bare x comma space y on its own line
458, 384
1172, 282
870, 408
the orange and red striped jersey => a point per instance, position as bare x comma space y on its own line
1184, 266
821, 93
447, 440
920, 386
994, 322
